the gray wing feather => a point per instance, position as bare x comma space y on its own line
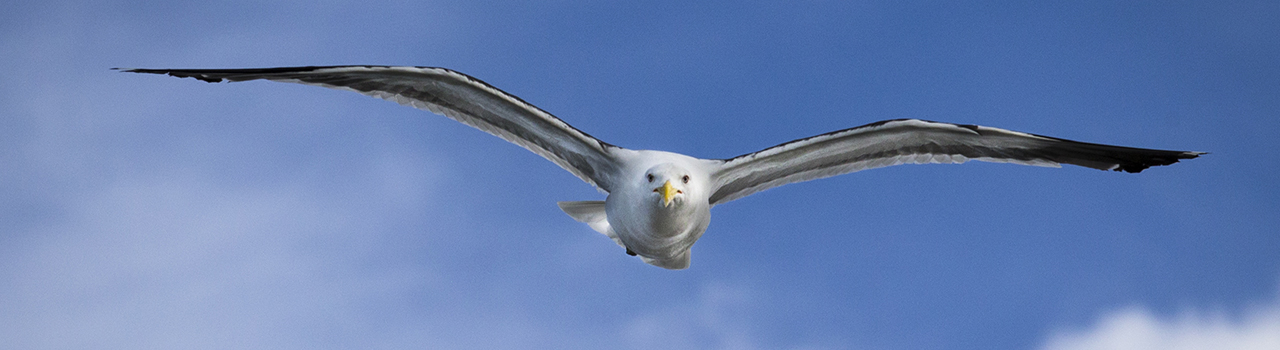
452, 94
912, 141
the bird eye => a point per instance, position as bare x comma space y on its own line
685, 179
650, 177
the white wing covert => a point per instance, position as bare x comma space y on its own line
454, 95
913, 141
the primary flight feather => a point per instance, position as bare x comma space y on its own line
659, 202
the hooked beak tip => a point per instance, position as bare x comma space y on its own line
668, 193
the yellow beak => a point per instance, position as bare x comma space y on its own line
667, 193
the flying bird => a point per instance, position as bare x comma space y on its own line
659, 203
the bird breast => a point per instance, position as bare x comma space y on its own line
651, 229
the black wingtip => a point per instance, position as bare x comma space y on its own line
1139, 166
173, 73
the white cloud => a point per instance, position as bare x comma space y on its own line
1136, 328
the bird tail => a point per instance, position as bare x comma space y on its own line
591, 213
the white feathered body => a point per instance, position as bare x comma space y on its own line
660, 234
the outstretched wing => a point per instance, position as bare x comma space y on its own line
452, 94
911, 141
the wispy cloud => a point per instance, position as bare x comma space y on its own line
714, 321
1137, 328
181, 262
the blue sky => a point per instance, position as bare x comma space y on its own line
141, 211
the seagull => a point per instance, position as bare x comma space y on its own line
659, 203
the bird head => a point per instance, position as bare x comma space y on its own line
668, 183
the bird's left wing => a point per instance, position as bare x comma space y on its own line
452, 94
907, 141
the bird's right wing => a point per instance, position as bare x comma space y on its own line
907, 141
454, 95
